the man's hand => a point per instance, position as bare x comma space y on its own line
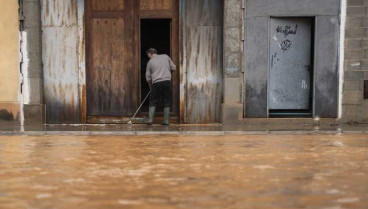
150, 85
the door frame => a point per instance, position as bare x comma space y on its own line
313, 60
174, 48
83, 50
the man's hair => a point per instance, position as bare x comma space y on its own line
151, 51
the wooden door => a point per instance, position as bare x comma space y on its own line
112, 75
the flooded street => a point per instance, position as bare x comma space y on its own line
255, 171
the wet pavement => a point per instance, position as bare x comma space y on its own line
278, 127
250, 171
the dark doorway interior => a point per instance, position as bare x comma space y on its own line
155, 33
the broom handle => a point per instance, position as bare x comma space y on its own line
141, 105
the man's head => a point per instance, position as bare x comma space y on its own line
151, 52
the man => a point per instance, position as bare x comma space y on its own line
158, 76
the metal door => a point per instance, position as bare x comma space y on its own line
291, 64
112, 78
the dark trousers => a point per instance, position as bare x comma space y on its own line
162, 90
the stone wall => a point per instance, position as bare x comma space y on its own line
232, 106
355, 107
31, 63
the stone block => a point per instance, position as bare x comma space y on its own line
365, 43
232, 64
352, 97
33, 40
231, 113
364, 64
352, 110
31, 13
352, 65
355, 2
349, 119
32, 91
355, 32
232, 90
32, 69
354, 22
353, 86
364, 22
353, 75
232, 13
356, 11
232, 39
354, 54
34, 114
353, 44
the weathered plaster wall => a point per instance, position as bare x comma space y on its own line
9, 61
355, 107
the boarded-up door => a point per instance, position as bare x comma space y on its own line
291, 64
112, 77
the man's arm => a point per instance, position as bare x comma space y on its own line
172, 65
148, 76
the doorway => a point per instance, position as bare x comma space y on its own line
118, 32
155, 33
291, 67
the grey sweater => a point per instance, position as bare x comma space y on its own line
159, 68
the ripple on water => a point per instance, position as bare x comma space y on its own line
348, 200
332, 191
130, 202
263, 167
43, 196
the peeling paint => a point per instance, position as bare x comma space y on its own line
60, 58
203, 61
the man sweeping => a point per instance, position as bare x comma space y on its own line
158, 76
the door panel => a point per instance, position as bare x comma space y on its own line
108, 5
291, 64
156, 4
111, 76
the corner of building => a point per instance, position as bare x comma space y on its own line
31, 63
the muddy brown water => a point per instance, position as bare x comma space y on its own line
265, 171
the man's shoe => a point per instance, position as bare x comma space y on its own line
151, 113
166, 116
